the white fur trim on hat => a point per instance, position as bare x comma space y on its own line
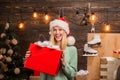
64, 25
71, 40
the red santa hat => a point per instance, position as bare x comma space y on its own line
61, 22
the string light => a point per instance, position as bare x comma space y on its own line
89, 18
21, 25
92, 18
107, 27
35, 14
46, 17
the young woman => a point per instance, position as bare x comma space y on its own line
59, 35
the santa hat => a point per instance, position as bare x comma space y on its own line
61, 22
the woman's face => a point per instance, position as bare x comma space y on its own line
58, 33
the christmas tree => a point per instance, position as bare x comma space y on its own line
11, 61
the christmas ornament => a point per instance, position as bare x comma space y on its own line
2, 35
14, 41
17, 70
7, 26
8, 59
2, 66
10, 51
7, 41
3, 50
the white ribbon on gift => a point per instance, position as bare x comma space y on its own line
47, 44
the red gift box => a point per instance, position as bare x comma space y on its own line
43, 59
36, 73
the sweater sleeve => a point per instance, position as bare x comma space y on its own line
42, 76
70, 68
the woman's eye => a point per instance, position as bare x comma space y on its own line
60, 29
54, 29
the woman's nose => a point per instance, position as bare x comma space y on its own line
57, 31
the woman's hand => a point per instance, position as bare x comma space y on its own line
28, 53
63, 60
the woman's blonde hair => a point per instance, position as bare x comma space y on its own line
63, 41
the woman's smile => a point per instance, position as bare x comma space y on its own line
58, 33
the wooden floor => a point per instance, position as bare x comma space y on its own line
34, 77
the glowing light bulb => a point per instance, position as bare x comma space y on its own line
107, 27
21, 25
92, 18
46, 17
35, 14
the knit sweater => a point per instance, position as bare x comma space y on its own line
68, 71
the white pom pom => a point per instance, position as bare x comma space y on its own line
17, 70
71, 40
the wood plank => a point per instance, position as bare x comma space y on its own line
110, 42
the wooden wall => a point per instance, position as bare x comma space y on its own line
104, 10
110, 42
